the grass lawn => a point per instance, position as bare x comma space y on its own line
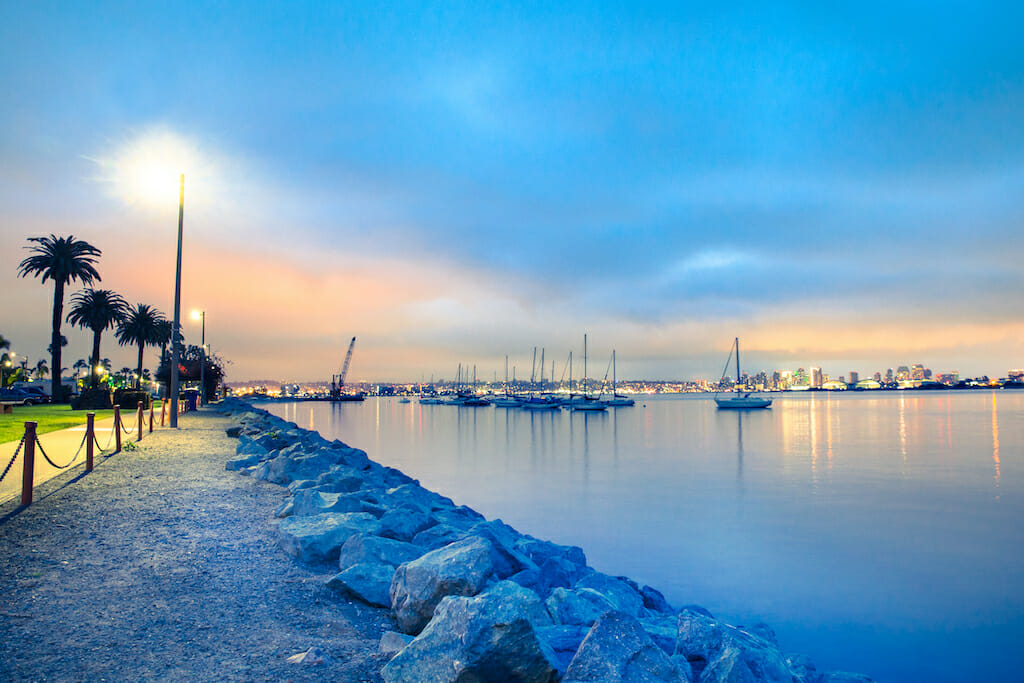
50, 419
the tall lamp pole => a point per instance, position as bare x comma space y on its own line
177, 311
202, 359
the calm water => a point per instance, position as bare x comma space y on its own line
879, 533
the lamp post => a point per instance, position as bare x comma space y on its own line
202, 358
177, 310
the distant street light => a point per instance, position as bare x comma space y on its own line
175, 355
196, 315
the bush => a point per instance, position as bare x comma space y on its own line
129, 399
92, 398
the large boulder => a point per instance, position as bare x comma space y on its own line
618, 649
361, 548
622, 593
490, 637
403, 524
460, 568
318, 538
720, 653
367, 581
295, 462
577, 607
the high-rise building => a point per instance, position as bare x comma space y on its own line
902, 373
888, 375
878, 377
917, 372
816, 378
854, 376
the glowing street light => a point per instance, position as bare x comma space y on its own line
197, 315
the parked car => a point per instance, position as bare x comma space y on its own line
25, 397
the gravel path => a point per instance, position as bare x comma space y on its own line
161, 565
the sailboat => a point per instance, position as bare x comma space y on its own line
584, 402
739, 401
617, 399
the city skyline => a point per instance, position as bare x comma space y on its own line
456, 183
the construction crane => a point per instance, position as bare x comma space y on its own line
338, 381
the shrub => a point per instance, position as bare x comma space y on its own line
92, 398
129, 399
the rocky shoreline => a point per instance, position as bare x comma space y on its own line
475, 600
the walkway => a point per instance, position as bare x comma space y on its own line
161, 565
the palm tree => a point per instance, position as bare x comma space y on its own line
143, 326
97, 310
41, 369
4, 343
63, 260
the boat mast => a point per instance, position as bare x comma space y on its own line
584, 363
737, 364
614, 380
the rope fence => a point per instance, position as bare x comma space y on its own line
90, 443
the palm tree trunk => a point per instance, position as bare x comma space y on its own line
138, 373
58, 312
95, 357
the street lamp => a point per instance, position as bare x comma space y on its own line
196, 315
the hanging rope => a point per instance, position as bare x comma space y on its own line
103, 449
52, 463
13, 458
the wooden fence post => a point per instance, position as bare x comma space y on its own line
90, 439
151, 415
117, 429
28, 469
138, 420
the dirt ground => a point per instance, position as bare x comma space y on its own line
161, 565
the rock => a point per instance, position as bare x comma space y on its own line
577, 607
319, 538
460, 568
654, 601
294, 463
314, 502
392, 642
403, 525
747, 662
234, 432
663, 629
544, 551
490, 637
764, 632
367, 581
436, 537
241, 462
720, 653
564, 641
313, 656
699, 638
624, 596
802, 667
361, 548
618, 649
249, 446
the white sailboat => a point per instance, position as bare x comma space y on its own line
617, 399
585, 402
739, 401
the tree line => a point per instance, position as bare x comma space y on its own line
65, 261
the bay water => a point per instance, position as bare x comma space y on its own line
875, 532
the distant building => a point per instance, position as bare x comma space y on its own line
917, 372
878, 377
854, 376
902, 373
888, 376
816, 378
1016, 374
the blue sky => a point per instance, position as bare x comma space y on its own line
453, 182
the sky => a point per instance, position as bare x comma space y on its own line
449, 182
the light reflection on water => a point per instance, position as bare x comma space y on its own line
875, 532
